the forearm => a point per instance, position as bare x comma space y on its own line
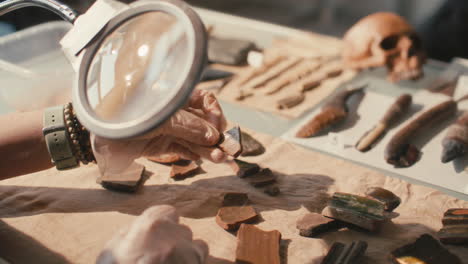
22, 146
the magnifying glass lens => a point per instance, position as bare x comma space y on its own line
137, 68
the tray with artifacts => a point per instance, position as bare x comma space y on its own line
419, 135
288, 77
324, 209
286, 85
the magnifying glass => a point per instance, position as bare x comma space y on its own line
139, 70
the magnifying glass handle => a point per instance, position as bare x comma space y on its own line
57, 7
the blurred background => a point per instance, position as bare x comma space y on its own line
443, 24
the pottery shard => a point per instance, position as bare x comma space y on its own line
426, 250
262, 178
166, 158
251, 146
129, 181
243, 169
231, 217
454, 234
351, 218
235, 199
313, 225
231, 142
456, 216
184, 169
229, 51
339, 253
360, 211
389, 199
256, 246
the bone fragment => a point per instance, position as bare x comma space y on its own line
290, 101
332, 113
399, 151
393, 114
455, 142
294, 74
273, 72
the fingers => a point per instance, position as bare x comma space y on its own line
206, 101
165, 145
191, 128
201, 248
161, 212
210, 153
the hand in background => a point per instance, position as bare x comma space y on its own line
155, 237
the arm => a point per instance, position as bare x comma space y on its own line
22, 145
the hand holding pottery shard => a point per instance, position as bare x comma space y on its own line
385, 39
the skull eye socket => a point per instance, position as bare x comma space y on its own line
417, 43
389, 43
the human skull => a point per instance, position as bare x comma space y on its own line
385, 39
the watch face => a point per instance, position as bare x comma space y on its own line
141, 69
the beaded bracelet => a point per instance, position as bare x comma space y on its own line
79, 136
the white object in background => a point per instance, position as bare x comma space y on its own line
255, 58
87, 26
17, 70
462, 87
336, 140
34, 50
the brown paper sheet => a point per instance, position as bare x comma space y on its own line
310, 47
56, 217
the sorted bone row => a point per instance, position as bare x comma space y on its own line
279, 72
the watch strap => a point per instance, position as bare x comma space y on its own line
57, 139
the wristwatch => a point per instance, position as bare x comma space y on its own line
58, 139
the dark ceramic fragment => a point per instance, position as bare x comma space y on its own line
425, 249
244, 169
251, 146
182, 170
341, 254
313, 225
263, 178
360, 211
389, 199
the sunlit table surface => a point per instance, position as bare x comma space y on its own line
263, 34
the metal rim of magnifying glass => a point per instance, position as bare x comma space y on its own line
195, 31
